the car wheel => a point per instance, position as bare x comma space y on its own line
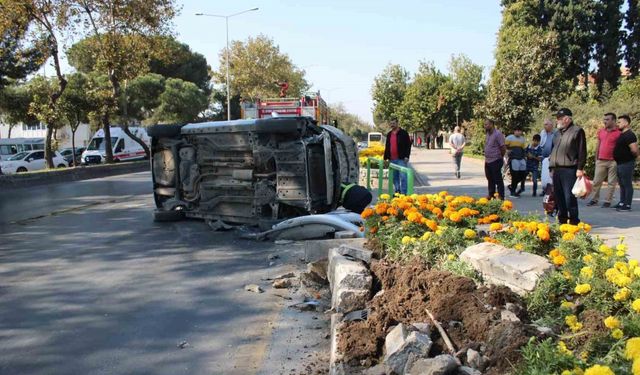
164, 216
164, 131
61, 166
21, 170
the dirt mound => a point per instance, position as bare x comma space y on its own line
470, 315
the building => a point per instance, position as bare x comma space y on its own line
63, 135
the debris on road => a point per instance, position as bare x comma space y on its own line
253, 288
282, 283
183, 345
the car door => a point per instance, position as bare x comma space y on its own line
37, 161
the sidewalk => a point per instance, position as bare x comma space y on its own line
435, 172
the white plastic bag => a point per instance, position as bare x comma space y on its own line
582, 187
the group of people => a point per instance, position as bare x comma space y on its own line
560, 156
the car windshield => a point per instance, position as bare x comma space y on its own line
19, 156
66, 151
97, 143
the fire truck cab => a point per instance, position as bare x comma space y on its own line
309, 105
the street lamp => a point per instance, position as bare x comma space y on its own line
228, 56
457, 112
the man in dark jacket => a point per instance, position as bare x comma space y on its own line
397, 150
567, 160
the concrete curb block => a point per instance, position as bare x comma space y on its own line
18, 181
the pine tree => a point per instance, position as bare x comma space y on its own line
608, 43
632, 42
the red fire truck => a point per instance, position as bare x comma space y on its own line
310, 105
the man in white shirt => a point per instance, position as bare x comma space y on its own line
457, 142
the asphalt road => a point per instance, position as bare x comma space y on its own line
89, 284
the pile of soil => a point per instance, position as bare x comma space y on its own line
469, 314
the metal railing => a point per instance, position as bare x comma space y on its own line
392, 168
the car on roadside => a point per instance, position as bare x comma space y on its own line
28, 161
362, 145
67, 154
254, 171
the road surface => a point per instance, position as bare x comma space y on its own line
89, 284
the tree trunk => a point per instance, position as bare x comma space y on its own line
107, 139
126, 130
48, 152
73, 144
10, 129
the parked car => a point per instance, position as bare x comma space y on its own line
254, 172
30, 161
362, 145
67, 154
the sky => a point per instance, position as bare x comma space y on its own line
343, 44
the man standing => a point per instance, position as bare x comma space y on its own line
567, 160
605, 165
397, 150
457, 143
494, 150
546, 144
516, 144
625, 154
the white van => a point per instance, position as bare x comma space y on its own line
124, 148
12, 146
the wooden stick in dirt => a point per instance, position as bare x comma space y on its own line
446, 339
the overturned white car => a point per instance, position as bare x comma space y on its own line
250, 171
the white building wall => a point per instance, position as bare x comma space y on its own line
63, 136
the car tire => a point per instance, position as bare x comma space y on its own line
164, 131
21, 170
61, 166
160, 216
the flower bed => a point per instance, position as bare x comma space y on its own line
591, 300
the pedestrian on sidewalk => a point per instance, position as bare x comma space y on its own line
494, 150
605, 164
397, 150
534, 156
546, 143
457, 143
625, 154
567, 160
516, 144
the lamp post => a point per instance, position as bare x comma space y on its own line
226, 18
457, 112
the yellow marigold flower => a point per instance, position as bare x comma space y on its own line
622, 267
636, 271
469, 233
507, 205
554, 253
567, 372
583, 288
494, 227
599, 370
635, 369
519, 246
439, 232
617, 333
632, 348
559, 260
451, 257
620, 253
636, 305
586, 272
612, 322
576, 327
568, 236
587, 258
384, 197
633, 263
587, 228
571, 320
584, 355
567, 305
567, 275
483, 201
622, 280
621, 247
606, 250
455, 217
406, 240
543, 235
622, 294
443, 193
426, 236
562, 348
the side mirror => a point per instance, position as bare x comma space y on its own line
29, 160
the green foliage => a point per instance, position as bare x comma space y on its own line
387, 92
632, 42
349, 123
74, 102
180, 102
177, 60
608, 42
543, 304
528, 72
142, 96
461, 268
15, 101
18, 57
542, 358
423, 104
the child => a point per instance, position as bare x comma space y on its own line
534, 156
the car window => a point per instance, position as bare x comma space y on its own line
37, 155
19, 156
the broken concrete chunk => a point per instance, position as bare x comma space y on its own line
344, 234
253, 288
318, 269
379, 369
356, 252
400, 344
443, 364
508, 316
464, 370
350, 283
422, 327
282, 283
319, 249
475, 359
520, 271
335, 356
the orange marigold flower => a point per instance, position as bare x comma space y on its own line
381, 208
495, 227
455, 217
368, 212
543, 235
